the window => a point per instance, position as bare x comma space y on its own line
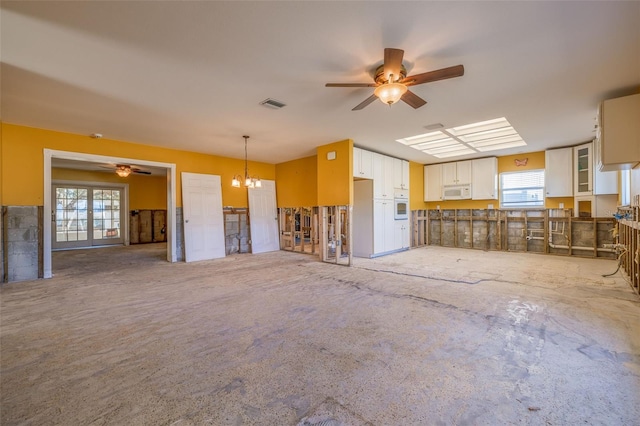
625, 190
522, 189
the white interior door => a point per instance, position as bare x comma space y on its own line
263, 217
203, 217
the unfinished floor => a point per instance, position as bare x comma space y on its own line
429, 336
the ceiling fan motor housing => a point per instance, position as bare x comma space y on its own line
380, 78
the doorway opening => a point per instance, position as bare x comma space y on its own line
49, 211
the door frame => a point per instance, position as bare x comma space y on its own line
124, 203
49, 154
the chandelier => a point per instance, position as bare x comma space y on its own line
249, 181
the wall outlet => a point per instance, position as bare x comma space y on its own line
438, 207
561, 205
490, 206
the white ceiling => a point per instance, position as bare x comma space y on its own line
190, 75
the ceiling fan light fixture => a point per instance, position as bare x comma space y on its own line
390, 93
123, 171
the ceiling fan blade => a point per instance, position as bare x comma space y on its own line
141, 172
441, 74
393, 62
365, 103
413, 100
350, 85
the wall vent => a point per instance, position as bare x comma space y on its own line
272, 103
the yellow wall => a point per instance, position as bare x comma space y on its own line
145, 192
335, 177
416, 186
535, 161
23, 158
296, 182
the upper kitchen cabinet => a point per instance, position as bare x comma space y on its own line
484, 172
400, 174
362, 163
583, 162
588, 180
382, 176
619, 133
458, 173
558, 172
433, 182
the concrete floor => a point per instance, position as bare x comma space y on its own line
425, 337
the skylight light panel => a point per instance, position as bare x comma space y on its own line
454, 153
483, 136
501, 146
497, 141
488, 134
479, 126
426, 137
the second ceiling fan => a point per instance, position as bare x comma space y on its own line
391, 81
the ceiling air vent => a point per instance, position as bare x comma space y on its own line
272, 103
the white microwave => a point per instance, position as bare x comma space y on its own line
456, 192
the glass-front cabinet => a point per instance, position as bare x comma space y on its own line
583, 161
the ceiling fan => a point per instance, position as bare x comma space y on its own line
391, 81
124, 170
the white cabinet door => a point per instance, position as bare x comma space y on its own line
383, 226
458, 173
558, 172
433, 182
484, 172
357, 158
362, 163
583, 170
400, 174
449, 174
464, 172
382, 177
401, 234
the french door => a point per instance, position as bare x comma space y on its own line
87, 216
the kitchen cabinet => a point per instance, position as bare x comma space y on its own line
458, 173
596, 192
383, 226
382, 177
619, 133
588, 180
433, 182
362, 163
558, 172
484, 174
401, 234
583, 170
400, 174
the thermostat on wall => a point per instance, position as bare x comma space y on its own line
331, 155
